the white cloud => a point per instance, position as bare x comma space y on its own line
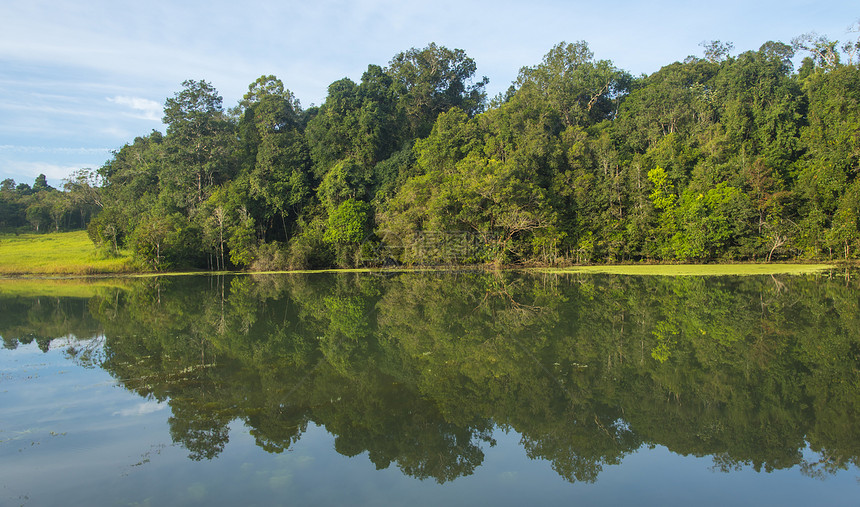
53, 172
147, 407
23, 171
53, 149
118, 133
148, 109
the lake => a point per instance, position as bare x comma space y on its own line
432, 388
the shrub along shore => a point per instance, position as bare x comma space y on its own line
71, 254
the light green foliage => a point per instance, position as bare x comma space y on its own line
664, 201
666, 336
242, 242
844, 235
451, 138
710, 223
348, 222
663, 196
346, 180
700, 225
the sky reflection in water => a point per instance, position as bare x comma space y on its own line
427, 389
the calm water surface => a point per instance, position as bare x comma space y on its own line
432, 388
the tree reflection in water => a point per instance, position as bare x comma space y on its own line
419, 369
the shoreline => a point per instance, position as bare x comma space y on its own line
656, 269
70, 255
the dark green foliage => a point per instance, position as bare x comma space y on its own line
198, 146
577, 87
42, 208
164, 241
717, 158
432, 80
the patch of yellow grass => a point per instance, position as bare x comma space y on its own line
696, 269
56, 254
53, 287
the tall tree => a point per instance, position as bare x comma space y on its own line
199, 144
432, 80
41, 184
83, 189
278, 161
580, 88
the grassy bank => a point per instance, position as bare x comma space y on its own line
62, 253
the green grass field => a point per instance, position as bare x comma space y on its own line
62, 253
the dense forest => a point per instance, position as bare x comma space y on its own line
716, 158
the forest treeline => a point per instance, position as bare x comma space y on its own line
715, 158
43, 208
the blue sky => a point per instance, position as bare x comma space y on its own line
81, 78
